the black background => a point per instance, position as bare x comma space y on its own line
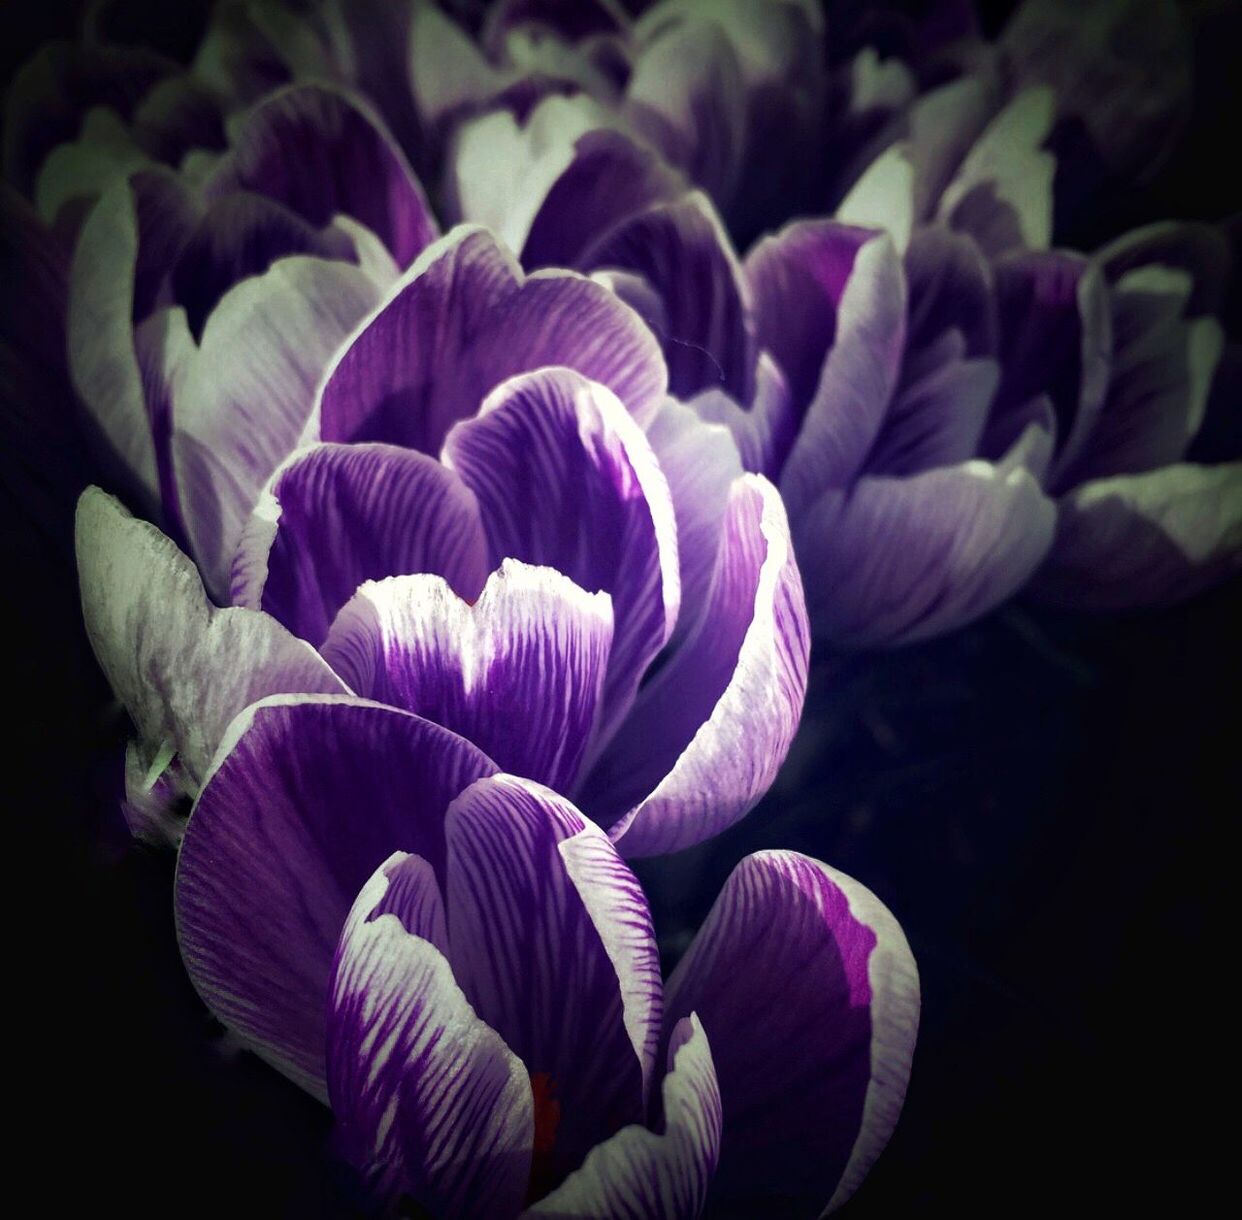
1046, 803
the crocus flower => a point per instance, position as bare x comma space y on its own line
482, 1005
379, 555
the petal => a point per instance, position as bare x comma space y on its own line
950, 287
1055, 341
242, 235
250, 392
571, 20
765, 428
551, 940
1122, 69
937, 420
639, 1173
319, 152
1160, 376
501, 170
899, 559
182, 668
335, 516
708, 734
684, 254
565, 478
700, 460
610, 177
462, 320
883, 197
1002, 192
100, 336
307, 797
797, 278
856, 382
519, 672
429, 1101
685, 97
808, 992
1145, 540
49, 95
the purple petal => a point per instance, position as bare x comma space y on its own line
242, 235
700, 460
179, 114
1200, 250
308, 796
1055, 341
797, 278
763, 429
519, 672
937, 420
250, 392
1002, 192
571, 20
182, 668
565, 478
684, 254
335, 516
320, 153
1160, 375
460, 322
551, 940
899, 559
610, 178
639, 1173
685, 97
808, 992
429, 1101
856, 382
707, 736
950, 287
1145, 540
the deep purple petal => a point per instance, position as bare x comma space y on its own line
335, 516
460, 322
519, 672
809, 995
430, 1104
610, 178
182, 668
856, 382
683, 252
551, 940
950, 287
565, 478
707, 736
797, 278
1145, 540
639, 1173
897, 559
308, 796
319, 152
1055, 341
250, 392
240, 235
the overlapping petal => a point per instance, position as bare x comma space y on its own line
308, 795
335, 516
809, 996
519, 672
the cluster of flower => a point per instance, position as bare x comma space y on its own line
474, 571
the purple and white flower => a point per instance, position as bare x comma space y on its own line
459, 962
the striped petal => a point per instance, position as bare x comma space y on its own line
807, 990
519, 672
